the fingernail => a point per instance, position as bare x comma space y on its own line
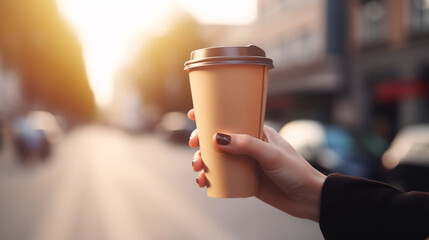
193, 162
196, 180
196, 155
193, 134
223, 139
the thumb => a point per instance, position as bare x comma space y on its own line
242, 144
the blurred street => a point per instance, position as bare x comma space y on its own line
102, 183
349, 91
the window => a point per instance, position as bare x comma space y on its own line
419, 16
374, 22
289, 51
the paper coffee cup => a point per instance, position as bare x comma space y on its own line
229, 88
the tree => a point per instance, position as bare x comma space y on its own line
159, 66
38, 43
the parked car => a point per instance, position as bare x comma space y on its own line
176, 127
328, 148
407, 158
34, 135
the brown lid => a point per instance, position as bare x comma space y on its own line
249, 54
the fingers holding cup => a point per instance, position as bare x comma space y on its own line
194, 142
197, 163
201, 180
191, 114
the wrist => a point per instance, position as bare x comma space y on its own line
315, 195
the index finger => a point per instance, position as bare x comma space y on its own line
191, 114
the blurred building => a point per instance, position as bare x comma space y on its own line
306, 41
126, 111
363, 64
388, 47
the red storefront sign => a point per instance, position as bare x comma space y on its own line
392, 91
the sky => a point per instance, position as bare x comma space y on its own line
106, 29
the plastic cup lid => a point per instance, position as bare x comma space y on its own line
249, 54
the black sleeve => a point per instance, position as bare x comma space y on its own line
357, 208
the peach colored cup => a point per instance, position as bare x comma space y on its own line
229, 88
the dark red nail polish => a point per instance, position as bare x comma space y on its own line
193, 163
223, 139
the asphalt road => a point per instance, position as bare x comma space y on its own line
101, 183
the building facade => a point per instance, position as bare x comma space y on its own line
388, 48
306, 41
363, 64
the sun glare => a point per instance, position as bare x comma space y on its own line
106, 29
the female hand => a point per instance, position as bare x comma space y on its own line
288, 182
